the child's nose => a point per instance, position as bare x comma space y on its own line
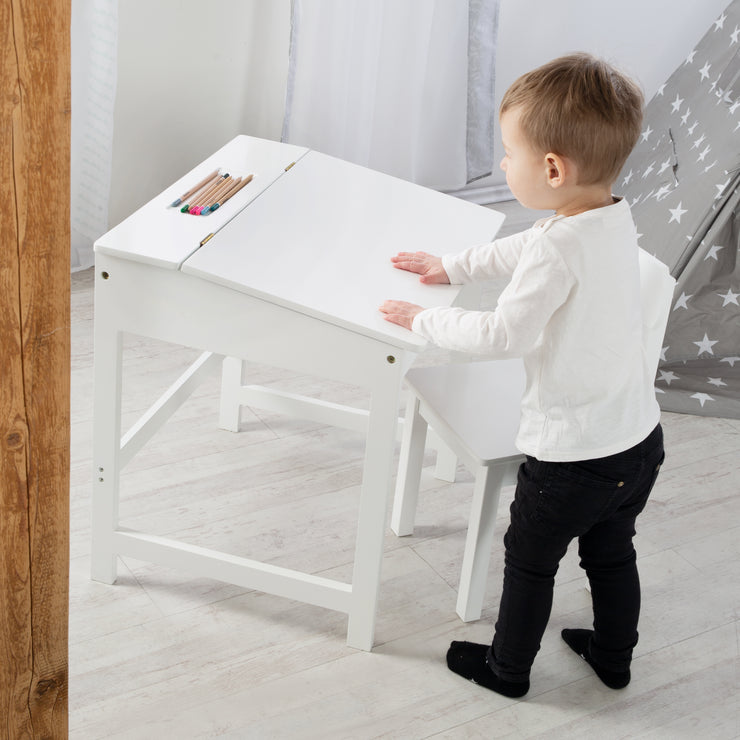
502, 164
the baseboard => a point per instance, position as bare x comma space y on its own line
483, 195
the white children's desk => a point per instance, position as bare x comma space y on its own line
292, 277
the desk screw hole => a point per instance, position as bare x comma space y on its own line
104, 275
391, 359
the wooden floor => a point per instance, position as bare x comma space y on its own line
163, 655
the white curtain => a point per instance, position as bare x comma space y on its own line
402, 86
94, 49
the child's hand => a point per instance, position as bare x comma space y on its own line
427, 265
400, 312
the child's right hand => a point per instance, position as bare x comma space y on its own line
426, 265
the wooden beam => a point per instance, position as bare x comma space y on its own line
34, 366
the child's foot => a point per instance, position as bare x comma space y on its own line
578, 641
468, 659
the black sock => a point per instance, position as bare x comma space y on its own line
468, 659
579, 642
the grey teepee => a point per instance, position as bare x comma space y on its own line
683, 183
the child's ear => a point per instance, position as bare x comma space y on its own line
556, 170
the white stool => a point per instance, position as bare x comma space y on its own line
474, 409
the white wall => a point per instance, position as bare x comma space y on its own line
192, 75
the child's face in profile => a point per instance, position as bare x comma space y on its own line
525, 168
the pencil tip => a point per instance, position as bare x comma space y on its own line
176, 203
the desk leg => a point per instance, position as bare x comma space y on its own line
106, 450
374, 499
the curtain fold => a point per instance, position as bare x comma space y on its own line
94, 37
405, 88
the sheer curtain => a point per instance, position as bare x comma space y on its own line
403, 87
94, 48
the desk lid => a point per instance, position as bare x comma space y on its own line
320, 239
161, 235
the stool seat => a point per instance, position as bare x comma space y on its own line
474, 406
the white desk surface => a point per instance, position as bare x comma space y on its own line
320, 239
159, 235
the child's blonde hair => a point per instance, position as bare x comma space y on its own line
581, 108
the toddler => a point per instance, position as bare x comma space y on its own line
590, 422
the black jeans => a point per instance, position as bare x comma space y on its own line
598, 502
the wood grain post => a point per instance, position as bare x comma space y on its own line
34, 366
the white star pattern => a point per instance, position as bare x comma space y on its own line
699, 142
701, 398
720, 22
729, 298
677, 104
712, 253
627, 178
690, 129
663, 192
705, 345
661, 89
649, 169
716, 381
646, 133
730, 360
704, 71
663, 351
690, 57
668, 376
704, 153
676, 213
721, 187
664, 166
685, 117
681, 302
734, 35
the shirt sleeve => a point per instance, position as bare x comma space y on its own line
540, 284
486, 261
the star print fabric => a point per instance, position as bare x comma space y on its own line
682, 182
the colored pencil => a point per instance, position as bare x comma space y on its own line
195, 189
220, 196
232, 192
219, 193
202, 198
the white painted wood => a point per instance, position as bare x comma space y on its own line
156, 416
231, 383
160, 235
203, 562
320, 241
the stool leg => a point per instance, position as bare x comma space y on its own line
231, 383
479, 541
409, 469
446, 466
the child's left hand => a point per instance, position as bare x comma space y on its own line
400, 312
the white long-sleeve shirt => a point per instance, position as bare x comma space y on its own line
572, 311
